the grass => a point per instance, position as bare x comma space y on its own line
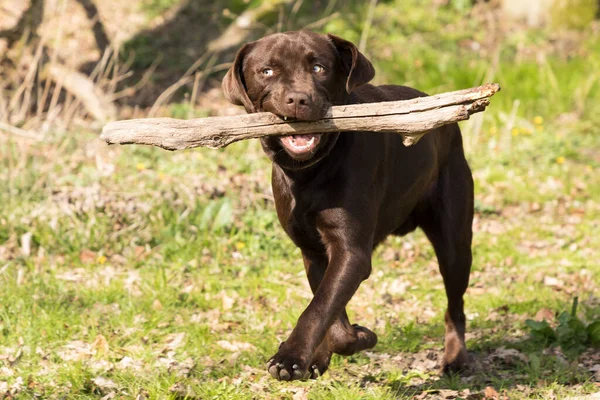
142, 273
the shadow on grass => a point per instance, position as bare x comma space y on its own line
184, 38
503, 356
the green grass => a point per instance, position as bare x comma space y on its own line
168, 275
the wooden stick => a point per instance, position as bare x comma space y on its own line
410, 118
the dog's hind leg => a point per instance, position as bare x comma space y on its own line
447, 221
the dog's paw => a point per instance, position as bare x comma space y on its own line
457, 364
320, 360
349, 342
286, 367
456, 358
366, 338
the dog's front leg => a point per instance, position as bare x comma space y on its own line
349, 253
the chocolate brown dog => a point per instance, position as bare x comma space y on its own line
338, 195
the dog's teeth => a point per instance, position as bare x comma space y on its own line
285, 118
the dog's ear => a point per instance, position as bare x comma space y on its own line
360, 70
233, 84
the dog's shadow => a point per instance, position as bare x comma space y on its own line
504, 356
501, 363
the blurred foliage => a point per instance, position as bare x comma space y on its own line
428, 44
438, 48
571, 334
573, 14
154, 8
136, 244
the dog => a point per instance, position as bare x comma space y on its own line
338, 195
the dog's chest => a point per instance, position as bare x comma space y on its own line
298, 219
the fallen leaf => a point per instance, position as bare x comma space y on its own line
76, 350
130, 363
183, 391
544, 314
235, 346
104, 384
301, 394
101, 366
509, 356
184, 367
174, 341
227, 301
398, 287
553, 282
490, 393
26, 244
157, 305
87, 256
100, 344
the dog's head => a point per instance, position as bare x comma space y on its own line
296, 75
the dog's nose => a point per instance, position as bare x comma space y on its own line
297, 100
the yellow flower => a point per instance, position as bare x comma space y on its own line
140, 166
560, 160
101, 259
538, 120
515, 131
493, 130
240, 245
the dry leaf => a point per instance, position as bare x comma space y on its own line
490, 393
157, 305
554, 282
227, 301
104, 384
509, 356
173, 341
87, 256
129, 363
544, 314
26, 244
398, 287
301, 394
76, 350
101, 366
235, 346
100, 344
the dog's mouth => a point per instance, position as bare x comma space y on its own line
301, 147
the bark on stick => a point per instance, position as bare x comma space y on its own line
410, 118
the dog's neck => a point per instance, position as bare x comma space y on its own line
326, 168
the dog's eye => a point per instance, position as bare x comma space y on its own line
318, 68
267, 72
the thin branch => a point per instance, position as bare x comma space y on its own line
19, 132
28, 24
102, 40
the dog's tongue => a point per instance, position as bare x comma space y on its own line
300, 140
300, 143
